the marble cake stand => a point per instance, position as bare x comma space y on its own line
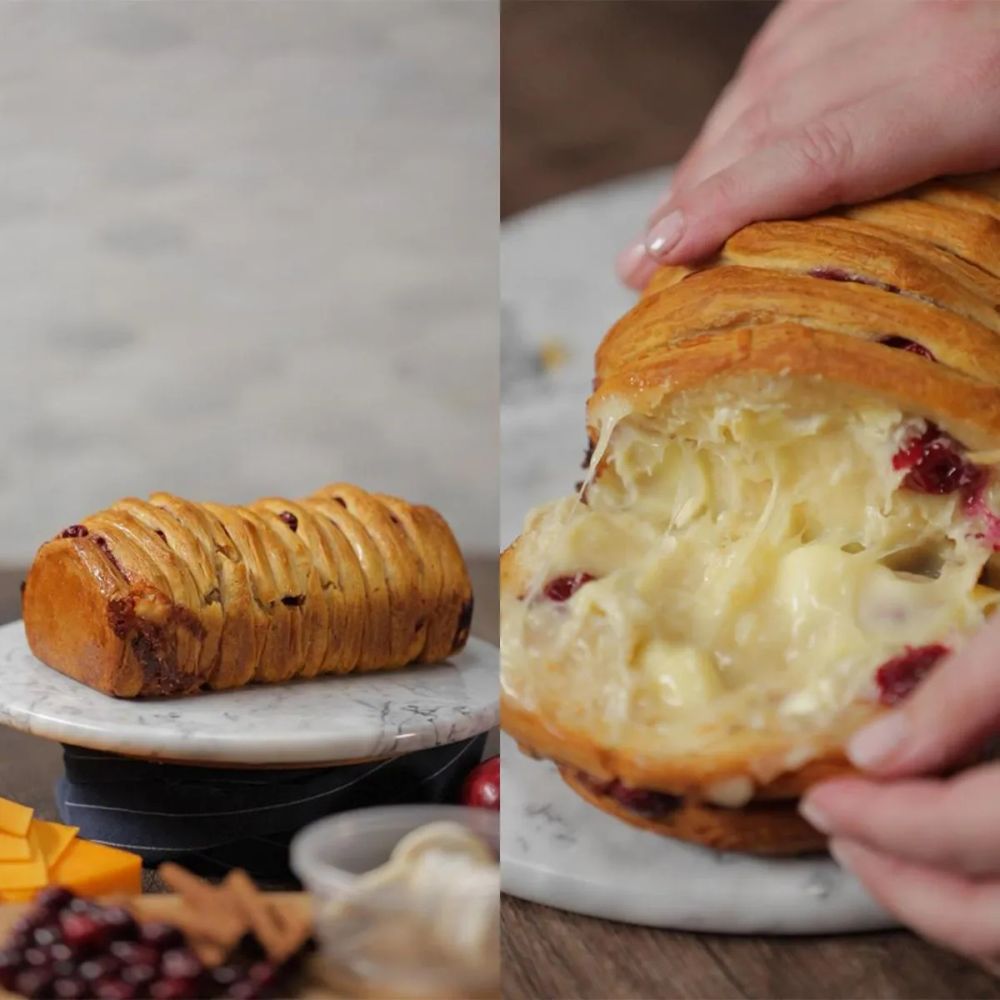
309, 723
558, 287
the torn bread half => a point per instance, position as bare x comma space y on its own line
790, 516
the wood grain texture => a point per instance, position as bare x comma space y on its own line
597, 89
554, 955
589, 92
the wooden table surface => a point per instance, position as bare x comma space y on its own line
592, 91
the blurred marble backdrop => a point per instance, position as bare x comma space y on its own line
247, 248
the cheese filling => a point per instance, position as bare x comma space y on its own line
746, 560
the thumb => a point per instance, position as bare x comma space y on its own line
953, 712
880, 144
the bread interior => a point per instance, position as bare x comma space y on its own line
742, 558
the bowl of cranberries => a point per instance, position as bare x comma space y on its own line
68, 947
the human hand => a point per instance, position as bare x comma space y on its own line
928, 849
835, 101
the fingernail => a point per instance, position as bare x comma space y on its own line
814, 816
631, 264
665, 234
877, 742
842, 853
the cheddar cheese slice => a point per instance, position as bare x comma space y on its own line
14, 818
95, 870
14, 848
50, 840
30, 874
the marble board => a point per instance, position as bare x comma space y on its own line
559, 295
559, 850
329, 720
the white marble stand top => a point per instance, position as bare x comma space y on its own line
324, 721
559, 850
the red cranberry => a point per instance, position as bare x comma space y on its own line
245, 989
70, 988
290, 519
161, 936
139, 974
54, 898
224, 976
898, 677
80, 904
115, 989
37, 957
84, 932
27, 922
75, 531
481, 787
100, 967
105, 547
19, 940
174, 989
33, 982
181, 963
934, 464
263, 973
46, 935
135, 953
839, 274
120, 923
645, 803
10, 963
905, 344
562, 588
65, 967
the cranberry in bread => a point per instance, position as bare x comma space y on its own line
791, 515
166, 596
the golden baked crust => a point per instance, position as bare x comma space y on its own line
898, 299
168, 596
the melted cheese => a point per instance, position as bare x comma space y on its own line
755, 560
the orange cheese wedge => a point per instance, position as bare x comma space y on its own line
14, 848
95, 870
24, 875
50, 840
15, 818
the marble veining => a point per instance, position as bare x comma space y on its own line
322, 721
558, 284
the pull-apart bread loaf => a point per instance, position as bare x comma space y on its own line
791, 513
165, 596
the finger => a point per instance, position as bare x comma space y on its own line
952, 825
843, 76
878, 145
808, 35
737, 92
955, 912
634, 266
956, 708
